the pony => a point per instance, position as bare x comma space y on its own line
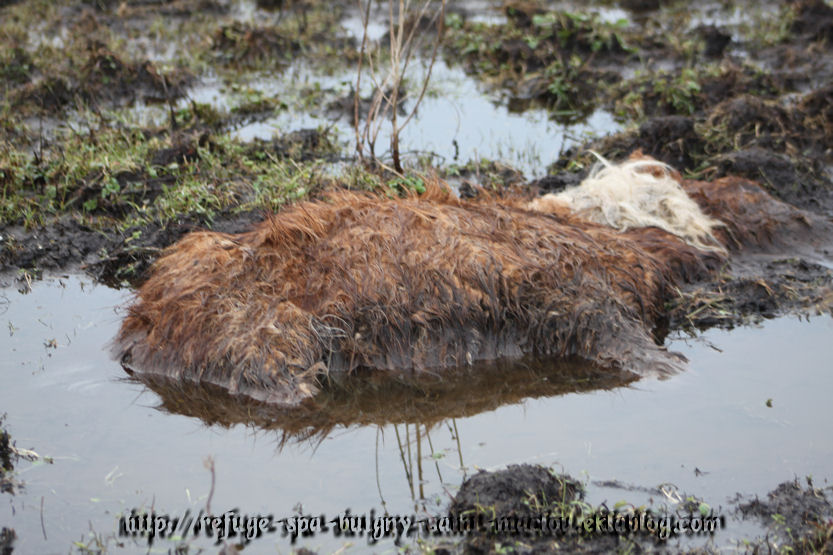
431, 282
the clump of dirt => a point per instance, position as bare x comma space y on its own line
474, 177
63, 243
256, 110
303, 144
691, 91
816, 108
5, 449
641, 6
557, 31
175, 8
752, 121
715, 40
734, 80
797, 184
7, 459
670, 139
245, 44
758, 289
557, 182
798, 517
561, 59
813, 21
510, 503
50, 94
509, 492
7, 538
184, 147
104, 78
126, 258
505, 501
785, 147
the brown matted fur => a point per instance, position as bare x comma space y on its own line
415, 283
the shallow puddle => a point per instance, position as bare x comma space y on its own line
456, 122
708, 431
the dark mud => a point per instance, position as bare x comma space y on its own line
798, 517
103, 79
520, 494
301, 145
117, 258
8, 484
7, 460
240, 43
7, 538
753, 289
509, 500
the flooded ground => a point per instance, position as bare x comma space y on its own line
751, 412
454, 124
123, 126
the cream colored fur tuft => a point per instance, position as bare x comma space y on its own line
636, 193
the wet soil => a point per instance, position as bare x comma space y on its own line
518, 495
7, 484
103, 79
7, 458
241, 43
797, 517
116, 259
7, 537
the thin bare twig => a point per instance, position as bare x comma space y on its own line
356, 95
384, 104
42, 526
209, 464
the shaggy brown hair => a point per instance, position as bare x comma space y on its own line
428, 282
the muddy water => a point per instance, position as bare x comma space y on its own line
455, 118
708, 431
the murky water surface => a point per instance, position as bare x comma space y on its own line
456, 122
708, 431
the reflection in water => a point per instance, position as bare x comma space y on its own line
380, 398
414, 405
